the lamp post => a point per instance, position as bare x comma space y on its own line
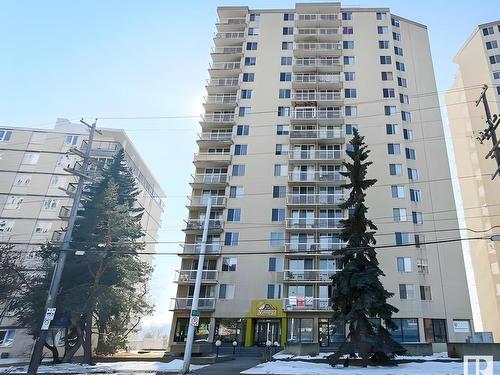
235, 344
276, 346
268, 350
217, 346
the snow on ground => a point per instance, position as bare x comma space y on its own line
105, 367
308, 368
434, 357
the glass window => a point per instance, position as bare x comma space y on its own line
435, 330
349, 60
226, 291
273, 291
383, 44
422, 265
284, 93
389, 110
425, 293
408, 134
182, 326
277, 239
233, 214
282, 129
246, 94
406, 331
382, 29
348, 44
300, 330
395, 169
349, 128
399, 214
5, 135
242, 130
252, 31
351, 110
248, 77
397, 191
417, 217
283, 111
381, 16
288, 16
286, 60
238, 170
240, 149
250, 61
71, 140
396, 36
350, 93
400, 66
7, 337
231, 238
415, 195
393, 148
229, 330
388, 93
402, 238
406, 291
348, 30
288, 31
398, 51
346, 16
385, 60
279, 191
285, 76
280, 170
410, 153
404, 264
236, 191
277, 214
251, 46
386, 76
229, 263
488, 31
391, 129
349, 76
286, 45
412, 174
244, 111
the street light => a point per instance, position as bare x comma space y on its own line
235, 344
217, 345
268, 350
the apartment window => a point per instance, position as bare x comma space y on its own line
273, 291
6, 226
347, 30
498, 90
288, 31
254, 16
236, 191
244, 111
229, 263
285, 77
349, 76
240, 149
395, 169
71, 140
385, 60
233, 214
400, 66
419, 240
386, 76
279, 191
286, 60
351, 110
404, 264
283, 111
286, 45
425, 293
417, 217
238, 170
402, 82
381, 16
488, 31
349, 128
350, 93
50, 204
5, 135
30, 158
383, 44
280, 170
248, 77
346, 16
348, 44
231, 238
406, 291
388, 93
277, 214
250, 61
404, 99
285, 93
242, 129
42, 227
496, 75
391, 129
22, 179
412, 174
495, 59
277, 239
402, 238
393, 148
382, 29
398, 51
7, 337
246, 94
422, 265
415, 195
281, 149
389, 110
406, 116
252, 31
251, 46
399, 214
288, 16
282, 129
410, 153
226, 291
396, 36
349, 60
394, 22
397, 191
408, 134
406, 331
491, 44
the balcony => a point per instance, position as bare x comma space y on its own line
314, 223
64, 212
306, 304
216, 102
231, 24
312, 80
216, 138
334, 135
224, 69
226, 54
229, 38
186, 303
202, 201
212, 159
306, 114
219, 179
308, 275
189, 276
217, 118
317, 49
323, 155
313, 247
211, 249
328, 64
58, 236
222, 85
317, 20
315, 199
316, 177
317, 34
196, 225
323, 97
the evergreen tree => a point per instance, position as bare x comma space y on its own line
357, 292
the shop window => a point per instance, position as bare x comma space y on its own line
435, 330
229, 330
300, 330
406, 331
182, 326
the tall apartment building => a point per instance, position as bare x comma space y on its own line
33, 206
478, 64
286, 89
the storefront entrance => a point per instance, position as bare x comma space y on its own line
267, 330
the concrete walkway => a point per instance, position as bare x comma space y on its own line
230, 367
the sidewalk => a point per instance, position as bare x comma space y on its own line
233, 367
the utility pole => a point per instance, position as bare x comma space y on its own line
490, 131
50, 304
196, 295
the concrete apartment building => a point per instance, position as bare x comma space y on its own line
286, 89
478, 64
34, 208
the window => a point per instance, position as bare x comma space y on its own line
244, 111
410, 153
402, 238
280, 170
488, 31
407, 330
406, 291
246, 94
254, 16
248, 77
349, 76
283, 111
229, 263
422, 265
238, 170
349, 128
181, 329
287, 45
6, 226
284, 93
13, 202
406, 116
348, 44
288, 31
397, 191
382, 29
7, 337
386, 76
275, 264
42, 227
383, 44
417, 217
273, 291
226, 291
498, 90
435, 330
279, 191
393, 148
57, 181
250, 61
251, 46
5, 135
399, 214
351, 110
389, 110
300, 329
394, 22
348, 30
395, 169
385, 60
252, 31
408, 134
242, 130
404, 99
50, 204
400, 66
496, 75
288, 16
402, 82
286, 60
391, 129
425, 293
30, 158
236, 191
22, 179
346, 16
404, 264
492, 44
381, 16
231, 238
233, 214
282, 129
398, 51
412, 174
278, 214
415, 195
388, 93
495, 59
349, 60
240, 149
350, 93
71, 140
281, 149
277, 239
285, 77
396, 36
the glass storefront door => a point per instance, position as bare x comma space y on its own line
267, 330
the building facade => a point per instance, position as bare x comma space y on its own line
286, 89
478, 64
34, 207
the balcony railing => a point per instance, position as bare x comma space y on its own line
316, 96
222, 82
306, 303
315, 199
186, 303
318, 17
322, 247
205, 178
305, 31
313, 223
306, 114
197, 224
225, 65
64, 212
218, 156
316, 78
232, 21
317, 62
195, 248
186, 276
316, 176
317, 134
317, 46
227, 50
218, 136
235, 35
220, 99
203, 200
218, 117
316, 154
308, 275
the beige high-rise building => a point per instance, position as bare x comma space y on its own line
478, 64
34, 208
286, 89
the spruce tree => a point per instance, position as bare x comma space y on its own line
357, 292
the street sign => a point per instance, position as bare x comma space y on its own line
195, 313
195, 321
49, 316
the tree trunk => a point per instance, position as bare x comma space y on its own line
55, 353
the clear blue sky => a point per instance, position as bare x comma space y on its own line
144, 58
